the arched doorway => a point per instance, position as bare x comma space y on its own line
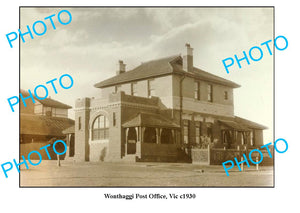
131, 141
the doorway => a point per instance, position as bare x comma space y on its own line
131, 141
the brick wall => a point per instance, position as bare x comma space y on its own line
218, 156
82, 134
159, 152
99, 151
219, 106
188, 90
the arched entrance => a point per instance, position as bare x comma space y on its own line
131, 141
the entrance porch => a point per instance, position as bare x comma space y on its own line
151, 137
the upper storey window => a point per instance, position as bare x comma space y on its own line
134, 89
117, 88
79, 123
151, 91
225, 95
210, 93
197, 90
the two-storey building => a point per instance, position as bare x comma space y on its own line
158, 110
41, 121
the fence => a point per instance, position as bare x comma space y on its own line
216, 156
200, 156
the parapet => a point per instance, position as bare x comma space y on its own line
122, 97
83, 102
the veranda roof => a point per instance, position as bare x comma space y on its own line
43, 125
150, 120
234, 125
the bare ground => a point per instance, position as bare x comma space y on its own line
87, 174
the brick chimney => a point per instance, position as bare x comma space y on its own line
187, 62
122, 67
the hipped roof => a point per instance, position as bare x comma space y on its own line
48, 101
160, 67
43, 125
150, 120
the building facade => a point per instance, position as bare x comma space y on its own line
158, 112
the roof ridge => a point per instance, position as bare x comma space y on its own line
159, 67
158, 59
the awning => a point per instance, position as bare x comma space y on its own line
150, 120
234, 125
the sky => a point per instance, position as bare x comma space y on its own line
90, 46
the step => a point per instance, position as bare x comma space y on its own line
129, 158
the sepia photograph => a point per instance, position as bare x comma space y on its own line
146, 96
